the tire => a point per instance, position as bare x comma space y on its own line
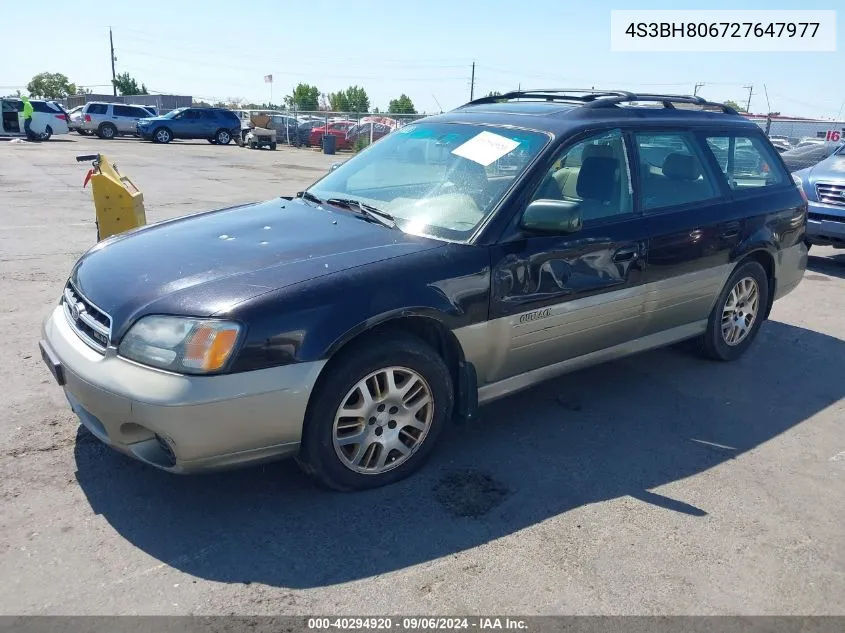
272, 146
47, 133
742, 284
107, 131
162, 135
82, 132
223, 137
416, 368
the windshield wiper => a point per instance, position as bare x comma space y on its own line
366, 210
307, 195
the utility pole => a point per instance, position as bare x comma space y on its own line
113, 77
695, 90
750, 92
472, 83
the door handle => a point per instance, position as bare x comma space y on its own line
626, 254
731, 230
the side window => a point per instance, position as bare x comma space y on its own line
746, 161
208, 115
97, 108
593, 172
672, 171
120, 110
192, 115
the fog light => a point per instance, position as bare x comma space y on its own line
165, 447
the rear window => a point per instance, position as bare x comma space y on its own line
43, 106
746, 161
96, 108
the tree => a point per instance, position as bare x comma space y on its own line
338, 101
304, 97
126, 85
357, 99
733, 104
402, 105
50, 86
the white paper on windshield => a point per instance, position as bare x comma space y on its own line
486, 147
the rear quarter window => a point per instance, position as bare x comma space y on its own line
43, 106
96, 108
746, 161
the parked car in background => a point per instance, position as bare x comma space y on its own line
303, 130
369, 131
217, 125
48, 118
349, 325
824, 186
286, 127
338, 129
109, 120
74, 118
808, 155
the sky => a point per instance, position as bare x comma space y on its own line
215, 50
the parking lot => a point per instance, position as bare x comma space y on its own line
660, 484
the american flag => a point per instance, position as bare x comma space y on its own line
268, 79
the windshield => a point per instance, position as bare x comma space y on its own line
436, 179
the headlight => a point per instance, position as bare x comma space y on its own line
185, 345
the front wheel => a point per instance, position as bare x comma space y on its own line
738, 314
162, 135
376, 415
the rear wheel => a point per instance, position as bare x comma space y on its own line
377, 413
107, 131
47, 133
273, 145
738, 314
162, 135
223, 137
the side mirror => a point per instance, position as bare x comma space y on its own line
552, 216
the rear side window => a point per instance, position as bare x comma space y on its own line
746, 161
208, 114
229, 115
672, 171
43, 106
96, 108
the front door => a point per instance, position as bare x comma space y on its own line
557, 297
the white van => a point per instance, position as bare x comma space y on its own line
48, 118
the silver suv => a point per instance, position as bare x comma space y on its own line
108, 120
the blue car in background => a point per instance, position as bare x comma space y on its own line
824, 184
218, 125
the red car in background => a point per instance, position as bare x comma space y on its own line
337, 129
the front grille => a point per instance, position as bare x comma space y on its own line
91, 324
831, 193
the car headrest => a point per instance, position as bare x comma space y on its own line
591, 151
597, 178
679, 166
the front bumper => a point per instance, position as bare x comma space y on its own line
826, 224
175, 422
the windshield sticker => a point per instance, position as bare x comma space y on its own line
485, 148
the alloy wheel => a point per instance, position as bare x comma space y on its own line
740, 311
383, 420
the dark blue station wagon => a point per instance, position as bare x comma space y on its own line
457, 260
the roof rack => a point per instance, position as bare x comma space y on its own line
599, 98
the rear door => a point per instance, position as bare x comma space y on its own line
558, 297
693, 228
125, 118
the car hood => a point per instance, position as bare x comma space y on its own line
208, 263
831, 168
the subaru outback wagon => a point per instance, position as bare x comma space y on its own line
461, 258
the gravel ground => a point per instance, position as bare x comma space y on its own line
660, 484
